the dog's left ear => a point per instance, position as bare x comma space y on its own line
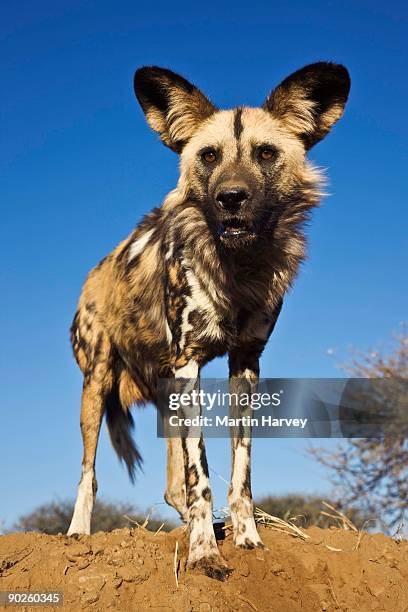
311, 100
173, 107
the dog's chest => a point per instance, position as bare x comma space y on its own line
196, 312
203, 320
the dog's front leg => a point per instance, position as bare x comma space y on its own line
244, 371
203, 553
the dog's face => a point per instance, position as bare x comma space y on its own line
242, 166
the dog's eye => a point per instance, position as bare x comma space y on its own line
209, 156
267, 153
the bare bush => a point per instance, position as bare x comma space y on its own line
373, 472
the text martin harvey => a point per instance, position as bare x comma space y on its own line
225, 421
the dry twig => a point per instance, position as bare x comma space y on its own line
175, 564
159, 529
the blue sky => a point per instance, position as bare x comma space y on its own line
79, 167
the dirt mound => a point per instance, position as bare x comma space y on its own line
133, 570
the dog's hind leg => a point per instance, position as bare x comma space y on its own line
175, 494
97, 385
91, 417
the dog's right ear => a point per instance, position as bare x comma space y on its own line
173, 107
311, 100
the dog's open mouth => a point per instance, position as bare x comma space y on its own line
235, 228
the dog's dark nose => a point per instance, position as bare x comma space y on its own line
232, 199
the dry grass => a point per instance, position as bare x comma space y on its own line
145, 522
340, 518
140, 526
289, 526
278, 524
345, 523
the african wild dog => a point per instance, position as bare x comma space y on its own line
202, 276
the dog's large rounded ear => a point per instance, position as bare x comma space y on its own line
173, 107
311, 100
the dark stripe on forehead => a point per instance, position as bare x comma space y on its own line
238, 127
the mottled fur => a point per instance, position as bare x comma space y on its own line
201, 276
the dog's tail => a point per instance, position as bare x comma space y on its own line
120, 424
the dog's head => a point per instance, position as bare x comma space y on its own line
243, 165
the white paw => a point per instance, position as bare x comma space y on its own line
79, 527
246, 534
